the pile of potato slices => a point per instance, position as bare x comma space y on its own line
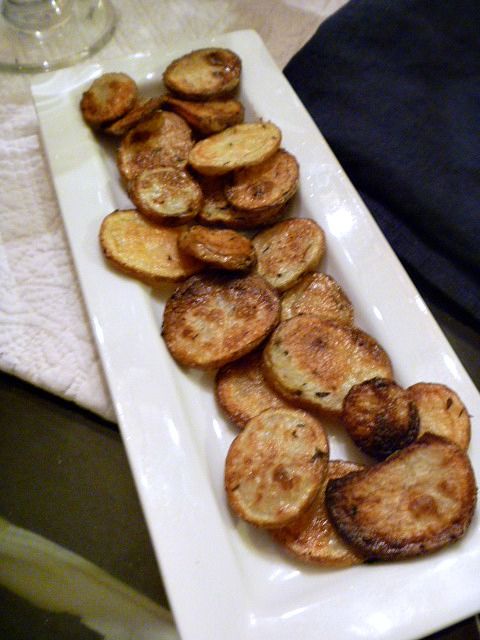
211, 195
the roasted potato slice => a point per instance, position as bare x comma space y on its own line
242, 391
318, 294
380, 417
276, 466
204, 74
210, 117
143, 108
240, 146
144, 250
221, 248
441, 412
167, 195
288, 250
108, 98
268, 184
211, 320
314, 362
415, 502
312, 537
162, 140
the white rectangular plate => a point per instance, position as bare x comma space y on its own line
225, 580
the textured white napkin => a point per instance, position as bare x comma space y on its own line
45, 336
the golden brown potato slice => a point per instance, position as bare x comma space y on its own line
219, 248
268, 184
204, 74
212, 320
312, 537
320, 294
143, 108
240, 146
288, 250
415, 502
144, 250
108, 98
314, 362
380, 417
167, 195
207, 117
442, 412
276, 466
162, 140
242, 391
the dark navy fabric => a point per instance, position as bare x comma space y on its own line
394, 86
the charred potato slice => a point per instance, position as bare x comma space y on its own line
212, 320
162, 140
146, 251
167, 195
240, 146
288, 250
275, 467
314, 363
141, 110
242, 392
204, 74
207, 117
318, 294
312, 537
108, 98
219, 248
380, 417
415, 502
441, 412
268, 184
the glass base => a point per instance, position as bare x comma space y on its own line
75, 31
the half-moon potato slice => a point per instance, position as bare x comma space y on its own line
276, 466
221, 248
207, 117
143, 108
108, 98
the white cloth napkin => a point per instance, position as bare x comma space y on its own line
45, 336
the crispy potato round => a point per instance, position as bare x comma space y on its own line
162, 140
143, 108
318, 294
210, 117
109, 97
314, 362
144, 250
242, 391
268, 184
312, 537
240, 146
204, 74
167, 195
276, 466
288, 250
415, 502
211, 320
441, 412
380, 417
219, 248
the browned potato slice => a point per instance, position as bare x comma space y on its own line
442, 412
380, 417
212, 320
415, 502
268, 184
141, 110
242, 392
220, 248
239, 146
162, 140
167, 195
208, 117
204, 74
314, 362
288, 250
144, 250
311, 537
109, 97
276, 466
320, 294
